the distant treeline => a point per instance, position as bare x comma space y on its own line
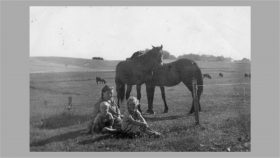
205, 57
97, 58
196, 57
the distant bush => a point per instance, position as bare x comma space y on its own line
203, 57
97, 58
167, 55
244, 60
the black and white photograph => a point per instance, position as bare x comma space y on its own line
140, 78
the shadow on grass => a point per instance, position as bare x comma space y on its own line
153, 119
63, 120
95, 139
87, 139
58, 138
115, 135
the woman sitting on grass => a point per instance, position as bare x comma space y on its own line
133, 123
107, 104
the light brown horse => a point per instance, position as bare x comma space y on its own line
171, 74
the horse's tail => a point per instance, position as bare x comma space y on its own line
199, 77
120, 88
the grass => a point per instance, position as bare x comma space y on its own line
224, 120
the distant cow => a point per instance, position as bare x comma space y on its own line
247, 75
221, 75
207, 76
101, 80
97, 58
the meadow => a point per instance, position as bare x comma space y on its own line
224, 120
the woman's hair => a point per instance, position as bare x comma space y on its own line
105, 89
132, 100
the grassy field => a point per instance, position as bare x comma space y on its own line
224, 120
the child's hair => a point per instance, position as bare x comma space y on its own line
132, 101
104, 106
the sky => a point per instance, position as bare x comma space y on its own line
116, 32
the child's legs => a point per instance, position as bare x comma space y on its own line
117, 123
98, 123
109, 120
131, 128
149, 131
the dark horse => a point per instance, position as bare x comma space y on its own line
207, 76
247, 75
171, 74
136, 71
98, 79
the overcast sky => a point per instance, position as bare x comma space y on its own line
114, 33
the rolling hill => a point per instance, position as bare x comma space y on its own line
65, 64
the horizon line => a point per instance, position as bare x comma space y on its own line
128, 57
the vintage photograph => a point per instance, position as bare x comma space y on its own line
140, 78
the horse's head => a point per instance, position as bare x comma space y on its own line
149, 59
156, 55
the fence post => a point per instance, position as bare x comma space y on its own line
69, 103
195, 101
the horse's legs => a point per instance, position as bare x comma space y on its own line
138, 89
128, 90
150, 90
189, 86
199, 92
163, 98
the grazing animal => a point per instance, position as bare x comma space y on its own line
101, 80
171, 74
136, 71
247, 75
207, 76
221, 75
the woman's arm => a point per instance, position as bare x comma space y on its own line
115, 111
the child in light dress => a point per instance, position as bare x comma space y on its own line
133, 122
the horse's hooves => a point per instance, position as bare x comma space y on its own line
150, 112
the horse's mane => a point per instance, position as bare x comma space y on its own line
138, 54
145, 56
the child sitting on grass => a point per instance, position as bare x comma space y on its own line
104, 120
133, 122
